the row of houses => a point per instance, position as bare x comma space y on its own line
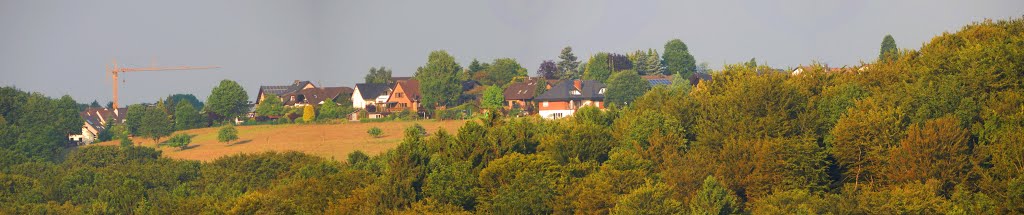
560, 98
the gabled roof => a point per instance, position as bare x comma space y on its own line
371, 91
411, 88
95, 118
317, 95
281, 90
590, 90
523, 90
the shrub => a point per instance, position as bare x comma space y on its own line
375, 132
308, 113
283, 120
227, 134
126, 142
179, 140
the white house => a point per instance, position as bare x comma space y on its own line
95, 121
364, 95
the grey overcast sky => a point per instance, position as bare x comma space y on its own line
62, 46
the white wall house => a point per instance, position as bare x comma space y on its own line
357, 99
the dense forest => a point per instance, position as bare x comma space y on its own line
931, 131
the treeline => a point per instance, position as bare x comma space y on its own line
34, 126
931, 131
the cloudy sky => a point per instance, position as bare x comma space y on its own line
63, 46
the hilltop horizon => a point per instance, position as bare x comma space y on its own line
68, 44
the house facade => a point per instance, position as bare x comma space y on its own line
315, 96
405, 96
520, 95
564, 98
376, 95
286, 92
299, 94
95, 121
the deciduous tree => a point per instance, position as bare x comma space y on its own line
677, 58
625, 86
227, 133
714, 198
502, 71
548, 70
186, 116
439, 80
380, 75
493, 98
599, 68
155, 124
227, 100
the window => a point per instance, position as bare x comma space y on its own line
601, 91
545, 104
398, 95
556, 115
576, 92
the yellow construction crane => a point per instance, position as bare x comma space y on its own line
114, 69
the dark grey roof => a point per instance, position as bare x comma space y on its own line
281, 90
591, 90
697, 77
371, 91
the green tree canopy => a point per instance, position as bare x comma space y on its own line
493, 98
439, 81
624, 87
134, 118
186, 116
331, 110
476, 66
179, 140
889, 50
568, 64
227, 133
227, 100
599, 68
677, 58
155, 124
270, 106
649, 199
714, 198
172, 101
377, 75
502, 71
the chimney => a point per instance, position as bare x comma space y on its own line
578, 84
296, 82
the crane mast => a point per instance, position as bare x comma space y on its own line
115, 70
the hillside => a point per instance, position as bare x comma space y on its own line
328, 141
